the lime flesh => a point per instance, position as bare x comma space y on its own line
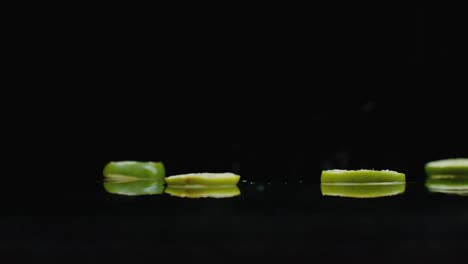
217, 179
134, 170
458, 166
362, 176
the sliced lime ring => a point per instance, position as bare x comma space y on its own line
357, 190
203, 191
458, 166
217, 179
135, 170
362, 176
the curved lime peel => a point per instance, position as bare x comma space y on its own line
218, 179
133, 170
363, 190
362, 176
456, 166
363, 184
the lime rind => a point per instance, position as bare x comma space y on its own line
368, 190
217, 179
134, 170
456, 166
362, 176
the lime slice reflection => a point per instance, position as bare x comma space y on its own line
198, 191
134, 170
370, 190
137, 187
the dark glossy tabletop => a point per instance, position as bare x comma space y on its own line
278, 219
285, 221
277, 99
58, 209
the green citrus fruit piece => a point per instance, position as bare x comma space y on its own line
218, 179
361, 176
448, 166
133, 170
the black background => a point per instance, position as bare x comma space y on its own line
376, 84
272, 93
286, 93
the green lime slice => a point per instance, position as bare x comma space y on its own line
134, 170
449, 184
218, 179
203, 192
448, 166
369, 190
361, 176
138, 187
